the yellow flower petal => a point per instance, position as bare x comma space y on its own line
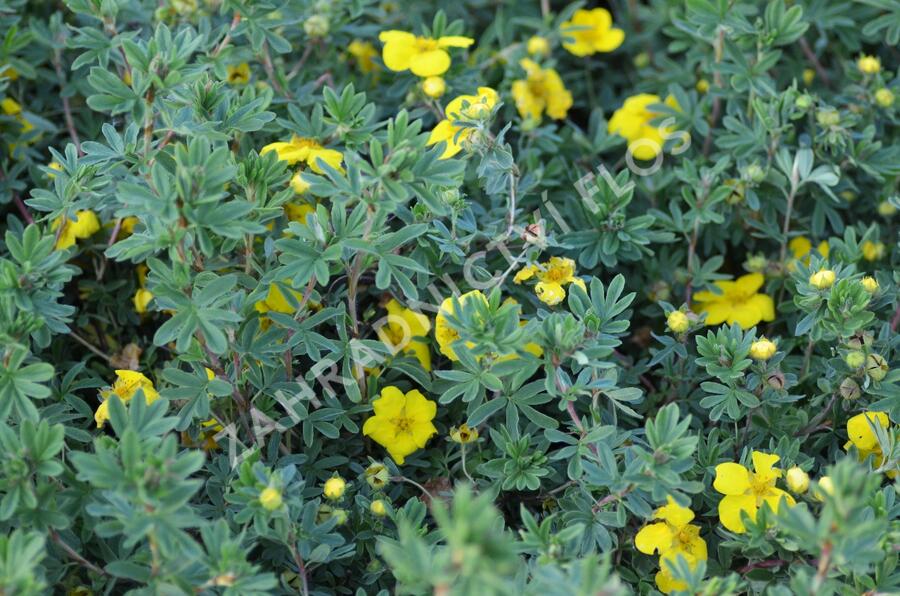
730, 508
654, 537
732, 479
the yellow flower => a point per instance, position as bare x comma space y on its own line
541, 91
443, 332
209, 429
141, 299
747, 492
678, 321
298, 211
85, 225
424, 56
434, 87
401, 423
869, 284
402, 329
672, 536
797, 480
276, 301
809, 75
334, 488
12, 108
801, 247
872, 251
127, 226
299, 185
364, 53
464, 434
738, 303
862, 436
822, 280
306, 150
886, 209
869, 64
591, 31
884, 98
552, 277
762, 349
126, 386
270, 498
462, 108
538, 46
239, 74
633, 122
56, 167
10, 73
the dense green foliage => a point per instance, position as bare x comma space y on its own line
278, 316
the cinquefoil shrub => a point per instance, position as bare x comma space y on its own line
361, 297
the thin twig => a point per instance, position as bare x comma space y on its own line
719, 48
89, 346
23, 209
67, 108
811, 56
235, 21
54, 535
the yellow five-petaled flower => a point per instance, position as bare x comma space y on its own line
465, 108
126, 386
739, 302
424, 56
402, 422
746, 491
672, 536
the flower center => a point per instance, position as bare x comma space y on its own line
425, 44
402, 424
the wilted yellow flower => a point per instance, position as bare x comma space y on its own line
424, 56
822, 279
591, 31
238, 74
552, 277
541, 91
462, 108
762, 349
85, 225
141, 299
869, 64
364, 54
746, 492
404, 331
633, 122
126, 386
305, 150
402, 422
738, 302
872, 251
434, 87
884, 98
538, 46
876, 367
463, 434
377, 475
334, 488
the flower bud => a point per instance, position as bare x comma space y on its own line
762, 349
270, 498
869, 284
855, 359
803, 102
876, 367
824, 486
678, 321
869, 64
378, 508
809, 75
776, 380
884, 98
316, 26
434, 87
822, 280
755, 173
886, 209
828, 117
641, 60
340, 515
872, 251
797, 480
756, 263
334, 488
299, 185
538, 46
702, 86
377, 475
849, 389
